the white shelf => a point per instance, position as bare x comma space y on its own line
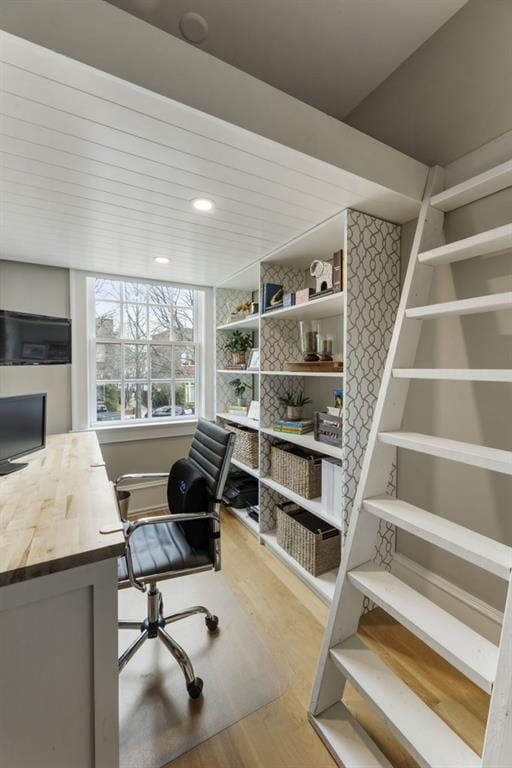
319, 375
255, 472
238, 371
253, 322
455, 374
305, 441
323, 585
241, 514
237, 419
312, 505
315, 309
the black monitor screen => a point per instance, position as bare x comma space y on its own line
22, 425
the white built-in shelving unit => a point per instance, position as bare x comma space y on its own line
360, 320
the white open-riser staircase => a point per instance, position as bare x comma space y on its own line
344, 656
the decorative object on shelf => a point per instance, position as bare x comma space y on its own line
322, 272
272, 296
313, 543
303, 296
238, 343
241, 310
334, 366
253, 364
337, 408
308, 332
289, 299
254, 410
337, 272
325, 347
239, 388
293, 426
246, 444
295, 403
328, 428
255, 308
297, 469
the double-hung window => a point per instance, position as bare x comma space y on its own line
144, 351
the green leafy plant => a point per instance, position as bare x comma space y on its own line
297, 400
238, 387
239, 342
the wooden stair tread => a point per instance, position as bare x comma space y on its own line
493, 303
460, 645
347, 741
484, 243
455, 374
480, 550
429, 740
475, 188
481, 456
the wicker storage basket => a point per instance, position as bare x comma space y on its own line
297, 470
313, 543
328, 428
246, 445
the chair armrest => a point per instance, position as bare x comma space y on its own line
182, 518
141, 476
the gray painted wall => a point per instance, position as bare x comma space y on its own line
450, 97
452, 94
45, 290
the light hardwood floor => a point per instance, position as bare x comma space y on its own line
290, 620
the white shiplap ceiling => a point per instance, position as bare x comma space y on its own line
99, 174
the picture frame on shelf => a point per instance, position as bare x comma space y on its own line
254, 410
253, 362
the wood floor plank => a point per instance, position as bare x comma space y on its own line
290, 619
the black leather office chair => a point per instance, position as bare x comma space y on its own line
185, 541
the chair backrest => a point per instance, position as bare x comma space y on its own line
210, 452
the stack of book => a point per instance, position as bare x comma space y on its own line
290, 427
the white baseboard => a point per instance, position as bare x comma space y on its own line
477, 614
147, 496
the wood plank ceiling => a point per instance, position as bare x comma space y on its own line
99, 174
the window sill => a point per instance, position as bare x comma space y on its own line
124, 433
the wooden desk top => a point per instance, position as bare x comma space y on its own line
51, 511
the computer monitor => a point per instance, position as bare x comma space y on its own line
22, 429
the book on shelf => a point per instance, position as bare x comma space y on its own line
236, 367
299, 427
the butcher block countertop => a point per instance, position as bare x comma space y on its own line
51, 512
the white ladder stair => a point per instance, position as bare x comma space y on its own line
428, 739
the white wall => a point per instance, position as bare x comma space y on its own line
453, 94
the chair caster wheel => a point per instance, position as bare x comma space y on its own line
195, 689
212, 624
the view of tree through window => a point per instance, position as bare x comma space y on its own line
146, 351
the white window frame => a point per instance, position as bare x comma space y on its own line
83, 369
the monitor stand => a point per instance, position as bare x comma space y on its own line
7, 468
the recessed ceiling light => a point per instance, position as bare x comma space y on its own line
203, 204
161, 259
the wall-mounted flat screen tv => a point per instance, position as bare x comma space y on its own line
27, 339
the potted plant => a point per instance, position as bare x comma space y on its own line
238, 387
294, 404
238, 343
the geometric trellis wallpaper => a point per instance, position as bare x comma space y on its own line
372, 285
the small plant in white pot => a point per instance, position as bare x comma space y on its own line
239, 388
294, 404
